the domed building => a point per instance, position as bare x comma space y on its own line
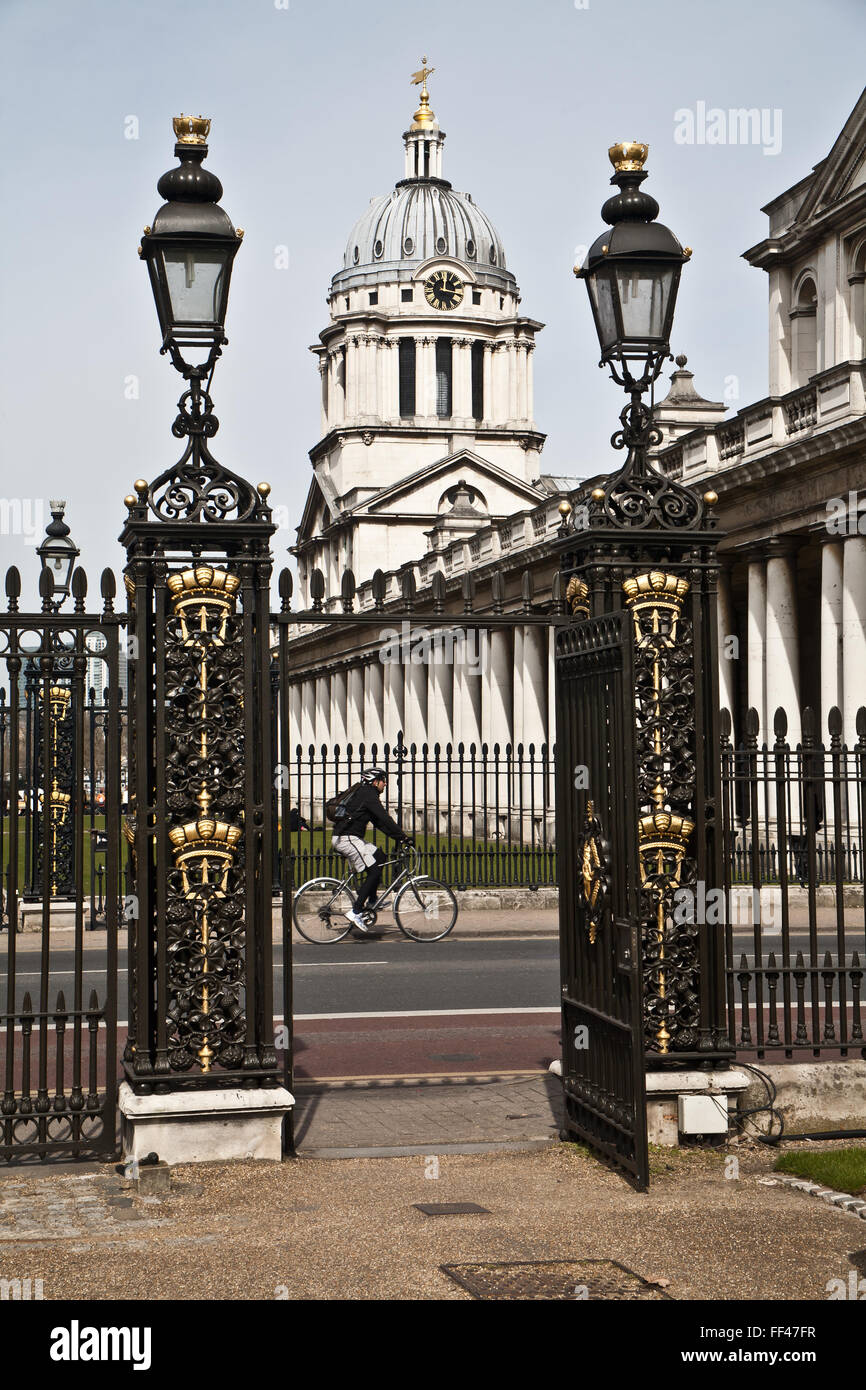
426, 378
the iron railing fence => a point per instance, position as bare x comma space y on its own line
60, 871
481, 817
794, 839
89, 802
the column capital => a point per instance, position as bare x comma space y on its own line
781, 547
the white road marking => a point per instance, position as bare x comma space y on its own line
432, 1013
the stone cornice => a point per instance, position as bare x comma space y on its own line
843, 216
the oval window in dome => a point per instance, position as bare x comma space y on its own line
356, 255
377, 250
441, 245
408, 246
470, 249
492, 254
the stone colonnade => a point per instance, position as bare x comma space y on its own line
488, 689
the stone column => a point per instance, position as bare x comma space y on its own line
783, 647
352, 373
374, 704
530, 381
487, 381
756, 644
496, 726
831, 630
533, 732
355, 708
393, 684
388, 362
499, 409
415, 702
339, 708
521, 358
462, 369
440, 695
308, 716
853, 633
510, 381
336, 400
425, 378
295, 716
727, 629
324, 384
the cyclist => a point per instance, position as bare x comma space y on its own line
362, 808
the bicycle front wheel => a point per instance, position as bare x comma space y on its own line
425, 909
319, 911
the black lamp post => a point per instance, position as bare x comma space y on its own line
632, 274
58, 553
189, 252
198, 580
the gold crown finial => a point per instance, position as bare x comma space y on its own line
191, 130
423, 116
628, 157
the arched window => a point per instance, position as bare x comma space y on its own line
804, 316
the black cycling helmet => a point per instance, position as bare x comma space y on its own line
374, 774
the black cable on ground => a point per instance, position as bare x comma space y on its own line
768, 1106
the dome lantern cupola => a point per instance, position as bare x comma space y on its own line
424, 139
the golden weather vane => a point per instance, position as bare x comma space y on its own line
422, 74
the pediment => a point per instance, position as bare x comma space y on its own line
842, 172
420, 493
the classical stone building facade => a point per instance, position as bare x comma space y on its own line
790, 470
460, 494
429, 463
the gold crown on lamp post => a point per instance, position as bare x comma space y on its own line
191, 130
628, 156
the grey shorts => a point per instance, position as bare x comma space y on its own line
360, 853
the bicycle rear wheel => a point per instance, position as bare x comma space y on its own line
425, 909
319, 911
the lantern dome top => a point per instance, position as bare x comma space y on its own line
191, 192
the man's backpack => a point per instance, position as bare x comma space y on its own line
339, 809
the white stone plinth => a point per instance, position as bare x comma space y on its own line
61, 915
664, 1087
204, 1126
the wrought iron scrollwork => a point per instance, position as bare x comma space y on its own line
204, 729
197, 487
666, 786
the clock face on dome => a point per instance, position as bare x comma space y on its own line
443, 290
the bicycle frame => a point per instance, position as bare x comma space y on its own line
407, 872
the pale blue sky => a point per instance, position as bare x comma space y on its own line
308, 107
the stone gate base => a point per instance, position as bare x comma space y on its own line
671, 1118
204, 1126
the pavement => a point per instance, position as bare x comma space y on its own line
338, 1230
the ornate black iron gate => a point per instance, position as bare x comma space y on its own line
603, 1079
60, 837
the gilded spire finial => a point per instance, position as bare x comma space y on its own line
423, 116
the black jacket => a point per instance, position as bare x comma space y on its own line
365, 809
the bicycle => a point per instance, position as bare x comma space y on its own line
424, 909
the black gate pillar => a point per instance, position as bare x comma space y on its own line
639, 824
202, 1080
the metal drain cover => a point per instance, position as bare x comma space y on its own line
553, 1279
450, 1208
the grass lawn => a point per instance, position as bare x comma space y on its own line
842, 1169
